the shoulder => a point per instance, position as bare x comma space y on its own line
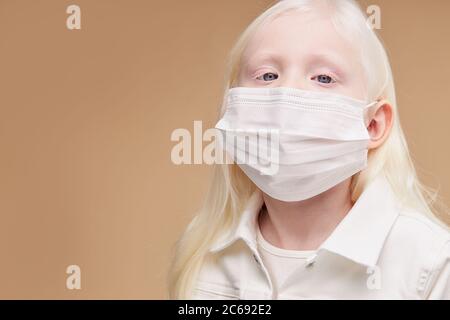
419, 231
218, 276
419, 248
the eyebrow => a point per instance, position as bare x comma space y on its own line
325, 57
265, 56
329, 58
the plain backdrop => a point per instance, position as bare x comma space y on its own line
86, 117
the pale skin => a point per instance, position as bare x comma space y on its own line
304, 50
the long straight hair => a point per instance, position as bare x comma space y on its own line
230, 188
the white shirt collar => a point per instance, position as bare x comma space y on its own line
360, 236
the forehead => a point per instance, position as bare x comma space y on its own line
296, 34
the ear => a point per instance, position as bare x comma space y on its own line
380, 124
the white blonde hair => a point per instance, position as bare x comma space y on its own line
230, 187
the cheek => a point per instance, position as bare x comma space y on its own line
355, 89
243, 80
357, 86
240, 81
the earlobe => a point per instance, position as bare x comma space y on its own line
380, 124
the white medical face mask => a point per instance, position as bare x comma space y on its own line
295, 144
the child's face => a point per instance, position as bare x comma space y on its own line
303, 50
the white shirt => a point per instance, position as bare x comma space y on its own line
380, 250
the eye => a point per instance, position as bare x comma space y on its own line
323, 78
268, 76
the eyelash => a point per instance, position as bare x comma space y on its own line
333, 80
258, 77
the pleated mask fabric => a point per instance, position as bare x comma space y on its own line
292, 143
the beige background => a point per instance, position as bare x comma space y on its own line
86, 118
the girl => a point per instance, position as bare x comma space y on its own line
343, 216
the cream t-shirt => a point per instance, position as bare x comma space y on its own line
282, 263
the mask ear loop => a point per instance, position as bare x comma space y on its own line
370, 110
